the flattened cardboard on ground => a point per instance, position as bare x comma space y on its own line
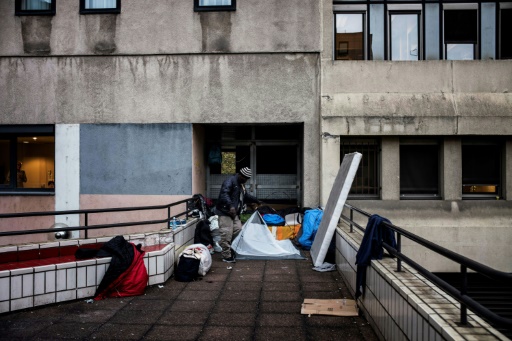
329, 307
334, 207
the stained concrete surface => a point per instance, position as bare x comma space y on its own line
254, 300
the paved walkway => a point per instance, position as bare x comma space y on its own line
254, 300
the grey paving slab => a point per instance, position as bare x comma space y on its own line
249, 300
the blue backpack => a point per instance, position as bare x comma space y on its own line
215, 155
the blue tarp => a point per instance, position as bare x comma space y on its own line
312, 219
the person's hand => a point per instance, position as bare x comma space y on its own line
232, 212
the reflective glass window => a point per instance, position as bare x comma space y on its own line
460, 34
100, 6
214, 5
349, 42
35, 7
404, 37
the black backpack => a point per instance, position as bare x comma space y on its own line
187, 270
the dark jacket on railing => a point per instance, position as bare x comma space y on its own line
371, 247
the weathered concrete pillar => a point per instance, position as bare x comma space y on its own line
451, 165
330, 161
67, 174
390, 160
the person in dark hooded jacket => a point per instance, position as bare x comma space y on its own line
232, 198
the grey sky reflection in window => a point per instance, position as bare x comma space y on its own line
404, 37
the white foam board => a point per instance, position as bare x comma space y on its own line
334, 207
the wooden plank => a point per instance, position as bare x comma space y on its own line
329, 307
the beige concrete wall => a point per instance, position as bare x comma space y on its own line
331, 161
451, 167
21, 204
152, 89
480, 230
423, 98
163, 27
198, 161
234, 88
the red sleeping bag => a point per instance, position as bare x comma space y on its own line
123, 278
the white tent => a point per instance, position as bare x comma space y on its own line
256, 242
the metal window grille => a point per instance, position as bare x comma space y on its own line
366, 182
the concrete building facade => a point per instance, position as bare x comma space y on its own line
131, 101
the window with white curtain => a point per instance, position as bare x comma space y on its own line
214, 2
96, 4
214, 5
35, 7
100, 6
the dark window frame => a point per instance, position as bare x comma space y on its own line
116, 10
420, 33
419, 194
12, 133
221, 8
365, 146
501, 39
475, 41
500, 145
364, 13
19, 12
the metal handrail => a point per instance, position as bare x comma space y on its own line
465, 263
86, 213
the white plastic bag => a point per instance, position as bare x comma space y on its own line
214, 222
200, 252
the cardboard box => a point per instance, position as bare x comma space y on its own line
339, 307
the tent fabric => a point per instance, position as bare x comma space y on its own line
126, 274
312, 219
273, 219
256, 242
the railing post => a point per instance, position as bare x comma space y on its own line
399, 249
168, 216
464, 291
351, 220
86, 224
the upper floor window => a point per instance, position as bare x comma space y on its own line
214, 5
366, 183
35, 7
505, 33
100, 6
419, 169
350, 33
27, 159
460, 34
481, 169
405, 36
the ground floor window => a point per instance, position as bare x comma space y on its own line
366, 182
27, 158
481, 169
419, 169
